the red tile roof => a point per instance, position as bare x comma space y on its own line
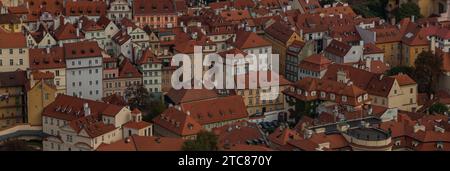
121, 37
71, 108
279, 31
339, 89
82, 49
237, 133
40, 59
404, 79
246, 40
37, 75
247, 80
115, 99
370, 48
86, 8
216, 110
245, 147
137, 125
144, 143
149, 57
338, 48
153, 7
12, 40
67, 31
387, 34
316, 63
374, 84
190, 95
128, 70
282, 136
177, 122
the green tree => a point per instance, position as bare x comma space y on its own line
372, 8
428, 69
325, 2
138, 97
438, 108
401, 69
407, 10
205, 141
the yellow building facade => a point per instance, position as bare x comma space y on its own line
38, 97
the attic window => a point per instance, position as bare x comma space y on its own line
153, 7
91, 50
82, 51
74, 52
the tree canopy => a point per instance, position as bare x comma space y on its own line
205, 141
407, 10
427, 70
138, 97
438, 108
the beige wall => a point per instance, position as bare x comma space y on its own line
38, 98
11, 110
16, 56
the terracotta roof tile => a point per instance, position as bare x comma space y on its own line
153, 7
246, 40
144, 143
12, 40
87, 8
82, 49
137, 125
338, 48
404, 79
177, 122
216, 110
40, 59
128, 70
190, 95
316, 63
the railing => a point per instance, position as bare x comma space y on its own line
20, 130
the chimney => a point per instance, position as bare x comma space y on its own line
433, 44
341, 16
60, 44
188, 113
368, 62
47, 50
78, 32
86, 109
413, 19
308, 134
184, 29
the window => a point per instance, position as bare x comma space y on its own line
344, 98
69, 138
11, 51
411, 90
46, 98
11, 62
1, 62
57, 72
20, 61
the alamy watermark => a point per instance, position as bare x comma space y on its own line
253, 71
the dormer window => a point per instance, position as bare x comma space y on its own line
323, 94
344, 98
